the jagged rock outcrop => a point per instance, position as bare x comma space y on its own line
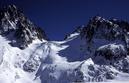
14, 23
106, 43
94, 52
110, 53
109, 30
109, 35
100, 32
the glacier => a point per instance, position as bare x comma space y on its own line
49, 67
96, 52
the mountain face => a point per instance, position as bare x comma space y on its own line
99, 32
96, 52
103, 41
15, 24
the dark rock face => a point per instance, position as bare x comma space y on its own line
99, 27
112, 31
122, 65
99, 32
109, 39
111, 52
102, 28
14, 23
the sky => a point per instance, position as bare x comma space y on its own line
61, 17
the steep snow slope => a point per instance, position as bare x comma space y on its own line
75, 51
40, 62
96, 52
11, 62
56, 69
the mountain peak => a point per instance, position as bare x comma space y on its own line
94, 52
98, 32
11, 7
14, 22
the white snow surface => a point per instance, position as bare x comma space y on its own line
53, 67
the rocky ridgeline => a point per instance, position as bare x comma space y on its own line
18, 28
99, 32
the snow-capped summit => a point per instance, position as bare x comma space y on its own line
18, 28
94, 52
96, 33
102, 42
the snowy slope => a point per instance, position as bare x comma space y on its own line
96, 52
51, 68
11, 62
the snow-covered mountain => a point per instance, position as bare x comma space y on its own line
17, 28
96, 52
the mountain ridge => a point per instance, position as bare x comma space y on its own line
96, 52
12, 20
